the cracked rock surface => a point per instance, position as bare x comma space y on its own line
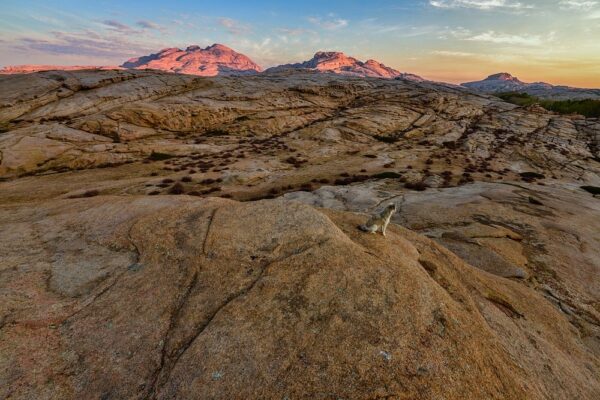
179, 297
168, 236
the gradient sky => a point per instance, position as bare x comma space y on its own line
556, 41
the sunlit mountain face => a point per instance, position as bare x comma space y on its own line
442, 40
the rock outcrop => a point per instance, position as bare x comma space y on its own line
173, 236
272, 131
339, 63
194, 60
178, 297
505, 82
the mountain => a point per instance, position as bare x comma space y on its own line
29, 68
194, 60
505, 82
340, 63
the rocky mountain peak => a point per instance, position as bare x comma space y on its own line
505, 82
216, 59
502, 76
219, 47
340, 63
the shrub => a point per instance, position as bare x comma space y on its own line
216, 132
531, 176
156, 156
386, 139
177, 189
418, 186
387, 175
186, 179
587, 107
89, 193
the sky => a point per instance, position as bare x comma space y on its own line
556, 41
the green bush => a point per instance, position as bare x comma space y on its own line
587, 107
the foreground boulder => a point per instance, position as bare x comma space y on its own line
177, 297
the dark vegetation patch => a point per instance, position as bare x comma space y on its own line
177, 189
186, 179
156, 156
531, 176
587, 107
386, 139
89, 193
418, 186
591, 189
295, 161
386, 175
351, 179
215, 132
452, 145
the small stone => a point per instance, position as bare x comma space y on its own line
387, 356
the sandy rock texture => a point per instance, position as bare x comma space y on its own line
168, 236
256, 136
545, 237
175, 297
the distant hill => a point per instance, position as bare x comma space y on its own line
505, 82
219, 59
194, 60
30, 68
340, 63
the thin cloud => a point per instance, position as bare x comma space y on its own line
578, 5
294, 31
233, 26
328, 24
117, 26
145, 24
480, 4
504, 38
447, 53
82, 43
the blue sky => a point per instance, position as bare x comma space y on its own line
449, 40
